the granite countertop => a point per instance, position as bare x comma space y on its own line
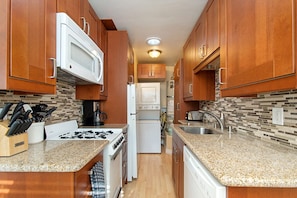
243, 160
57, 156
53, 156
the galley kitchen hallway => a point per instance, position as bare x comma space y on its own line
154, 177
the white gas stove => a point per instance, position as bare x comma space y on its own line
112, 156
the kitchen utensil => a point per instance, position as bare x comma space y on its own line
14, 127
27, 107
26, 124
13, 118
26, 114
18, 107
5, 110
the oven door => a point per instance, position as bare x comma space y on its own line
114, 174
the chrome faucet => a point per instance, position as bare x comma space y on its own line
221, 120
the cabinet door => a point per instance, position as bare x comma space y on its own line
189, 55
71, 7
212, 27
200, 42
90, 24
259, 43
158, 71
144, 70
32, 45
175, 166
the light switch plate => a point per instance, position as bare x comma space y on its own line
278, 116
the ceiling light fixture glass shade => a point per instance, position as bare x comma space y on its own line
153, 41
154, 53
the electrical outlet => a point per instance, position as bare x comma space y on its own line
278, 116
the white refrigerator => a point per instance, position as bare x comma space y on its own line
132, 134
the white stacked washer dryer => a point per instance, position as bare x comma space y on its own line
148, 118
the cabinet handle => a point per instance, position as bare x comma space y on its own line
102, 89
202, 51
191, 88
177, 106
153, 73
55, 68
84, 23
176, 159
131, 77
220, 76
88, 26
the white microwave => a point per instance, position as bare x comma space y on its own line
79, 59
148, 96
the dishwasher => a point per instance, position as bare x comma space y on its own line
198, 181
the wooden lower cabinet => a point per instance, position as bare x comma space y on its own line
47, 184
177, 165
254, 192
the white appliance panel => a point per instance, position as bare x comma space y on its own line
77, 54
148, 136
132, 135
198, 181
148, 94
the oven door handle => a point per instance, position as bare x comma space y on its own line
117, 152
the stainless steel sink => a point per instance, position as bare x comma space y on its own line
197, 130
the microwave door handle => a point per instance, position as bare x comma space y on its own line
101, 68
55, 68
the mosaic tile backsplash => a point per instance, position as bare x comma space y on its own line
67, 107
250, 115
254, 115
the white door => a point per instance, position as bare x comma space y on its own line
148, 136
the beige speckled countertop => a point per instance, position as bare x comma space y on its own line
57, 156
243, 160
53, 156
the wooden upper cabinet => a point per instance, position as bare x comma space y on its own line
71, 7
180, 106
259, 42
151, 72
82, 13
88, 20
200, 41
27, 63
207, 35
212, 27
189, 59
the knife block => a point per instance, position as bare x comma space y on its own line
11, 145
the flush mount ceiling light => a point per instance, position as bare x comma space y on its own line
153, 41
154, 53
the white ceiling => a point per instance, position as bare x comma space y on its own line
170, 20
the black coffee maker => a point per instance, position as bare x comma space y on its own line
92, 115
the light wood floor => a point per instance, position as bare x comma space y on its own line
154, 178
